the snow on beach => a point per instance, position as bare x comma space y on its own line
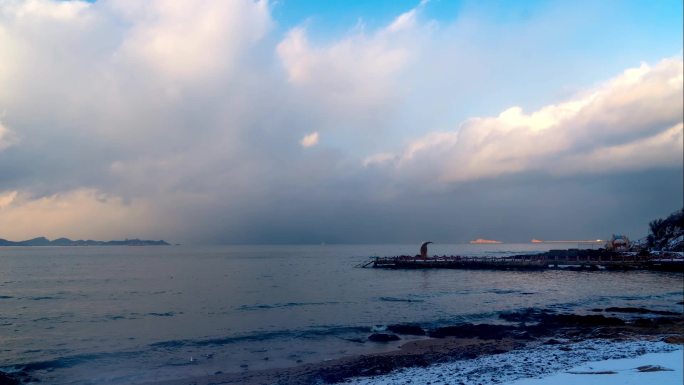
552, 364
652, 368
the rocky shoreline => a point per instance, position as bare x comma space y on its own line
467, 341
530, 328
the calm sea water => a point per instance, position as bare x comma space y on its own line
119, 315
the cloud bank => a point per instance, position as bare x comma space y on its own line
200, 122
631, 122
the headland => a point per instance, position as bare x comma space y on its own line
42, 241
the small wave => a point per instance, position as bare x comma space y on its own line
41, 298
165, 314
299, 334
394, 299
114, 317
501, 291
282, 305
70, 361
220, 340
56, 319
5, 296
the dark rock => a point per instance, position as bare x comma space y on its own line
644, 323
552, 341
8, 379
674, 340
562, 320
383, 337
665, 320
407, 329
653, 368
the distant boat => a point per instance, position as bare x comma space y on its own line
536, 241
480, 241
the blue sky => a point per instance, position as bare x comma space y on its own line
572, 45
652, 28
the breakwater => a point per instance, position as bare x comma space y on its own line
571, 258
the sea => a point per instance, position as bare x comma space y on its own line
127, 315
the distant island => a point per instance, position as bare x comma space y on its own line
42, 241
484, 241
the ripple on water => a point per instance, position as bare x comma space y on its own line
283, 305
394, 299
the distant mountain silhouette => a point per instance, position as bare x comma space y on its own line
42, 241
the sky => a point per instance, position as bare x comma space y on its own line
302, 122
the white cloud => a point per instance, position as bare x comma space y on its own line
45, 9
309, 140
404, 21
628, 122
186, 40
355, 79
379, 159
358, 66
7, 138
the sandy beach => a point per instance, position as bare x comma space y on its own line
537, 345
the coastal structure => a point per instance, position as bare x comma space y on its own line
572, 258
424, 249
618, 242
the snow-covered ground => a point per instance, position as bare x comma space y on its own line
551, 365
651, 368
